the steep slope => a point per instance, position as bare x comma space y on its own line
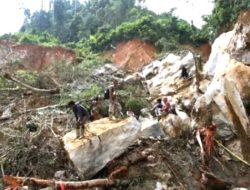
32, 56
133, 55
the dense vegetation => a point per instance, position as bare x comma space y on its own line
223, 17
97, 25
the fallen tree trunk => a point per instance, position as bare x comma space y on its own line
72, 185
42, 108
12, 89
32, 110
9, 77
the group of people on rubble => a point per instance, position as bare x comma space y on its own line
82, 115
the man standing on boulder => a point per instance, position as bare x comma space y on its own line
81, 115
114, 106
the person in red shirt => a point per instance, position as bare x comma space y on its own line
166, 106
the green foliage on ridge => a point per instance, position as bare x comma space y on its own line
96, 25
223, 17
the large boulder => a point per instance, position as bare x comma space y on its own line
240, 73
167, 72
226, 96
233, 45
151, 128
104, 140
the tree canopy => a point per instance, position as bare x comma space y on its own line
223, 17
98, 25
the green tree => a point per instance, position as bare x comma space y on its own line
223, 17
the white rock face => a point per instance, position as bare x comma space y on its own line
90, 156
229, 46
167, 79
219, 58
107, 69
216, 92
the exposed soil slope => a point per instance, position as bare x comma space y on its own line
133, 55
34, 56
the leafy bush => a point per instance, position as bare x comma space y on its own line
4, 83
44, 81
135, 105
223, 17
43, 38
26, 76
164, 31
93, 91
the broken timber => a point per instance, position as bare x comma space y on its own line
9, 77
73, 185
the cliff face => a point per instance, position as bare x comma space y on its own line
133, 55
32, 56
228, 67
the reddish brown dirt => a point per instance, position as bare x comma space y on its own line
133, 55
244, 18
36, 57
204, 50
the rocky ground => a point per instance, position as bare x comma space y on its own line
139, 152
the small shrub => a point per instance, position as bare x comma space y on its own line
93, 91
4, 83
44, 81
135, 105
25, 76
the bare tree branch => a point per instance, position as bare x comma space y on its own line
9, 77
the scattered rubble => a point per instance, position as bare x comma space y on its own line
203, 144
104, 140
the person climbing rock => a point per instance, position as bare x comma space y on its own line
184, 73
81, 116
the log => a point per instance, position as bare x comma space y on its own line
2, 119
72, 185
43, 108
9, 77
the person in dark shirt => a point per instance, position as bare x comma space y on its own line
81, 115
158, 108
184, 73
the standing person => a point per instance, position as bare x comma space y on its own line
96, 107
114, 106
81, 115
